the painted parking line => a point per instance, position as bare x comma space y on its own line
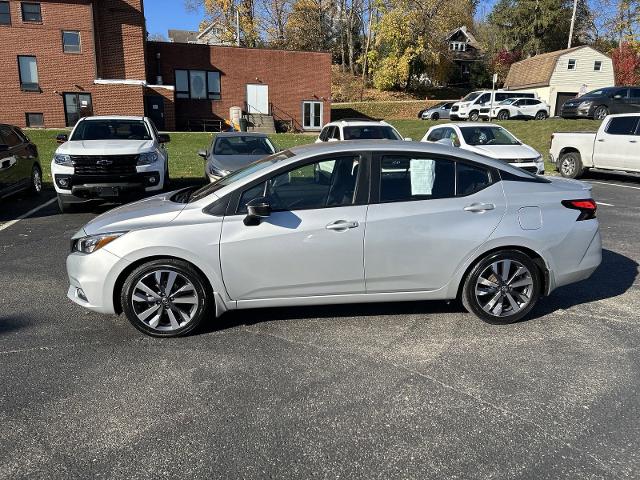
10, 223
605, 204
617, 185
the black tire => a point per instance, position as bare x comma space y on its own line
435, 116
570, 165
503, 115
420, 114
541, 115
65, 207
36, 180
203, 297
474, 115
600, 112
167, 181
531, 292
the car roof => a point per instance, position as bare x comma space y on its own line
357, 122
241, 134
113, 117
467, 124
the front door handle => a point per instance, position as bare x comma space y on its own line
479, 207
633, 141
342, 225
601, 139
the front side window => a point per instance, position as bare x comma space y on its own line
370, 132
28, 68
571, 65
35, 119
243, 145
323, 184
622, 126
488, 136
484, 98
111, 130
9, 137
31, 12
435, 135
70, 41
5, 13
471, 179
197, 84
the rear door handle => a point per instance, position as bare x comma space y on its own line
479, 207
633, 141
342, 225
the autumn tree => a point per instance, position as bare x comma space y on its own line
626, 63
223, 13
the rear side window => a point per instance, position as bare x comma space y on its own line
404, 178
622, 126
502, 96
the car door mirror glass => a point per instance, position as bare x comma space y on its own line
203, 154
408, 139
257, 209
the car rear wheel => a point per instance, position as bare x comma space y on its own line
570, 165
541, 115
502, 288
600, 112
503, 115
36, 180
474, 115
165, 298
435, 116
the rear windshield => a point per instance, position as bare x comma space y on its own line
370, 132
111, 130
243, 145
488, 136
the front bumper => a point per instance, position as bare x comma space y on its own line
574, 112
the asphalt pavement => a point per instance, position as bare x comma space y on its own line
413, 390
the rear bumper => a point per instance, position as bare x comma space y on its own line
584, 268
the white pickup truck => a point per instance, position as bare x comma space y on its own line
615, 146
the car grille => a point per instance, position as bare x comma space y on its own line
520, 160
454, 108
104, 164
530, 169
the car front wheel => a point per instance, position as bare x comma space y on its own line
502, 288
36, 180
474, 115
600, 112
165, 298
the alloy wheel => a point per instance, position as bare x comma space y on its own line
600, 113
504, 288
36, 180
540, 116
568, 166
165, 300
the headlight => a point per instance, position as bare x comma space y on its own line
62, 159
218, 172
94, 242
538, 159
584, 105
147, 158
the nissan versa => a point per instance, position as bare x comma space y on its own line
342, 222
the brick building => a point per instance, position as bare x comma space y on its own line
63, 59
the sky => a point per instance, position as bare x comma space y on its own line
162, 15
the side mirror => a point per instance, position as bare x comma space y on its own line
257, 209
332, 139
62, 137
408, 139
4, 147
617, 97
203, 154
164, 138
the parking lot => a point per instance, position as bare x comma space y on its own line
413, 390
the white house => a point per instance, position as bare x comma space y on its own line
561, 75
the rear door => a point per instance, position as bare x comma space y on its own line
428, 214
617, 144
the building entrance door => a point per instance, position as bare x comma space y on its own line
154, 109
258, 99
77, 105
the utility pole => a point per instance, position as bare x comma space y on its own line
573, 22
237, 27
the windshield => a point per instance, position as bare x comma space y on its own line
488, 136
508, 101
243, 145
600, 92
111, 130
471, 97
240, 174
370, 132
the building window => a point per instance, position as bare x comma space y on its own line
597, 65
197, 84
31, 12
35, 119
571, 65
312, 115
458, 46
5, 13
28, 69
70, 41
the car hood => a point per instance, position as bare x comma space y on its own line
505, 152
231, 163
148, 213
105, 147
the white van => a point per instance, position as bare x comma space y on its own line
469, 107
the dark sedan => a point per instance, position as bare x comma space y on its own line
19, 165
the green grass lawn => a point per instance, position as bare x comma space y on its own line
184, 146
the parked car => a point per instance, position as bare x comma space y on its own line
19, 164
437, 112
517, 108
358, 129
469, 107
602, 102
615, 146
108, 158
489, 140
230, 151
371, 221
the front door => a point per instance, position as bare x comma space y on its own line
311, 244
258, 99
76, 106
312, 115
154, 108
422, 218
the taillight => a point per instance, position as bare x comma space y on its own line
586, 207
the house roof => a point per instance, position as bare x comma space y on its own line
535, 71
183, 36
471, 39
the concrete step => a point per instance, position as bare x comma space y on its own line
261, 123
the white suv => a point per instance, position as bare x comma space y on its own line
471, 106
358, 129
513, 108
107, 158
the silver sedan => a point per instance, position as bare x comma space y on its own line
230, 151
373, 221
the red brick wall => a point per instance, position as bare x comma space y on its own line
291, 76
118, 100
120, 39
